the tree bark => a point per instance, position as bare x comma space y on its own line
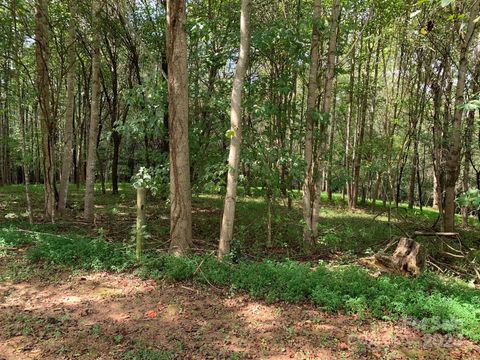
68, 132
226, 232
329, 92
26, 169
408, 258
348, 132
310, 189
114, 105
42, 54
21, 115
94, 117
180, 190
452, 164
360, 133
438, 181
468, 139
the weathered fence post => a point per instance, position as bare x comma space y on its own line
141, 191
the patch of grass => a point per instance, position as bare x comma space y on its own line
71, 251
80, 253
10, 238
27, 324
437, 305
143, 353
17, 271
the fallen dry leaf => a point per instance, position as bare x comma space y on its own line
151, 314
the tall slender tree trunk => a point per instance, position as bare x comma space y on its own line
115, 156
415, 114
21, 115
68, 132
348, 160
331, 149
94, 117
329, 92
438, 182
376, 191
42, 54
373, 112
413, 174
114, 106
310, 231
360, 134
455, 139
26, 169
180, 190
226, 232
435, 197
468, 139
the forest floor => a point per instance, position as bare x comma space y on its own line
55, 312
97, 315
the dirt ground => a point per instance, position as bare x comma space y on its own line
104, 316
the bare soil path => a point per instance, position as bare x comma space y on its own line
104, 316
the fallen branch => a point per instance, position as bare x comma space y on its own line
437, 234
8, 248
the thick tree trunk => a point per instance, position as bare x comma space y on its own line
455, 138
68, 132
94, 118
42, 54
180, 190
226, 232
310, 189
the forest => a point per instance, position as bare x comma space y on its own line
239, 179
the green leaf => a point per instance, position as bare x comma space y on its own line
230, 133
415, 13
324, 118
471, 105
463, 200
446, 2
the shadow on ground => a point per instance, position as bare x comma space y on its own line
101, 315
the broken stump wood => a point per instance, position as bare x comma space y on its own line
407, 259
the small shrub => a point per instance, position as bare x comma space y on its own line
81, 253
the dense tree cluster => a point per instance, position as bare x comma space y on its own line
377, 100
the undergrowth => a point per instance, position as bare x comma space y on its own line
433, 304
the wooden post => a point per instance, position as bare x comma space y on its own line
141, 191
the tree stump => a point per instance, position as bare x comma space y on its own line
407, 259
